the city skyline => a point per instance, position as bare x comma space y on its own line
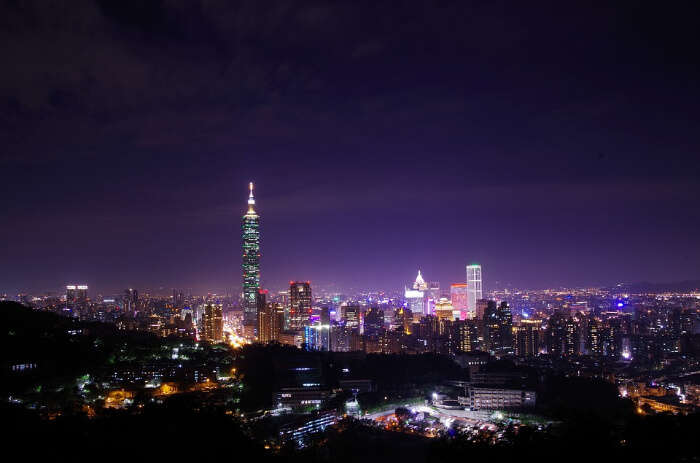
315, 231
250, 240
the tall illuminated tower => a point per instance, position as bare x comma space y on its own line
251, 262
474, 289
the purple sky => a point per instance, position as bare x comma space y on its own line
555, 145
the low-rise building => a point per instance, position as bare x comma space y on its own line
496, 398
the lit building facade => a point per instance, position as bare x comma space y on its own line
444, 309
299, 304
474, 288
527, 337
351, 316
76, 296
270, 319
415, 298
131, 299
492, 398
213, 323
458, 296
251, 262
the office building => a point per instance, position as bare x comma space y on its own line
403, 320
212, 323
432, 296
178, 298
444, 309
374, 321
351, 316
474, 288
299, 304
131, 299
458, 297
466, 336
76, 296
270, 320
251, 261
526, 338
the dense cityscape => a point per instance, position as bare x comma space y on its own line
482, 360
364, 231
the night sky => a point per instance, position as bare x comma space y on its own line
555, 143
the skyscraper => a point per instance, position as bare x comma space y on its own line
444, 309
526, 338
474, 290
76, 295
131, 298
299, 304
505, 328
251, 262
458, 295
415, 298
178, 298
351, 315
374, 321
270, 319
213, 323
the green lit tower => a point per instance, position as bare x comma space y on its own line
251, 262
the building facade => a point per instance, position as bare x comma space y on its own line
251, 262
299, 304
458, 296
213, 323
474, 287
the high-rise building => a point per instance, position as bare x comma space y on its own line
414, 301
213, 323
497, 325
420, 283
251, 261
466, 336
594, 344
299, 304
474, 289
432, 296
444, 309
481, 307
571, 338
76, 295
178, 298
490, 327
403, 320
131, 298
351, 316
270, 321
526, 338
458, 296
415, 298
374, 321
505, 328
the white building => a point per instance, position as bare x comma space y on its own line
474, 289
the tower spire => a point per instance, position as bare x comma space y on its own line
251, 199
